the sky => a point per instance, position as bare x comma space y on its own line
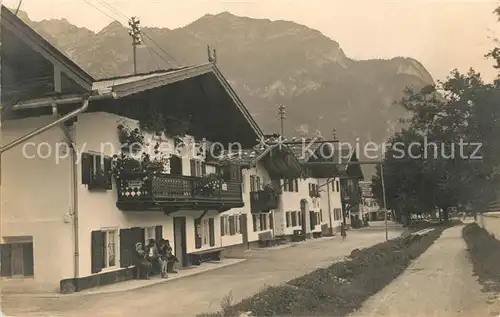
442, 35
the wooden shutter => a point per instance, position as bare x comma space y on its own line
158, 233
232, 225
211, 229
287, 219
6, 260
313, 219
203, 169
258, 183
137, 235
193, 167
87, 168
197, 233
107, 172
127, 246
296, 183
254, 221
28, 262
222, 229
175, 165
271, 221
97, 248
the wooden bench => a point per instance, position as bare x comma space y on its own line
197, 257
266, 239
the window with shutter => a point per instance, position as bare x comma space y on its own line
296, 182
300, 217
127, 248
254, 221
98, 251
107, 173
232, 226
203, 169
28, 261
258, 185
211, 230
175, 165
252, 183
87, 168
6, 260
312, 218
287, 219
197, 233
192, 167
222, 226
271, 221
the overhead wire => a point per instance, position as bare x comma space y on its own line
115, 11
120, 14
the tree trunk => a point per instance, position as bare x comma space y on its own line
445, 215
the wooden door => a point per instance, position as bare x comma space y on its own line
180, 240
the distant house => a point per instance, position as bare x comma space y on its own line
71, 215
369, 203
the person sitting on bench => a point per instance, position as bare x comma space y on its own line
142, 264
171, 258
163, 255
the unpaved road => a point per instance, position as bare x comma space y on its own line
440, 283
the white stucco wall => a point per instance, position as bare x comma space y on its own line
490, 222
37, 197
260, 171
99, 208
36, 200
330, 194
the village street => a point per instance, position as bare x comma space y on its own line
205, 292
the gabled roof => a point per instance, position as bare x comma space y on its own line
25, 33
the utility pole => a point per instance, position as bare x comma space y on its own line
385, 202
281, 113
135, 32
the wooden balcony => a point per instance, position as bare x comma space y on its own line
140, 191
263, 200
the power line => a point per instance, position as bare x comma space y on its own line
121, 15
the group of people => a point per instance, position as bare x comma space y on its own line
154, 253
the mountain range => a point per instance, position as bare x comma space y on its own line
267, 63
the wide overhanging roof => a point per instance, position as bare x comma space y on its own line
12, 25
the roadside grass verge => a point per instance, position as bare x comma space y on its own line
484, 251
340, 288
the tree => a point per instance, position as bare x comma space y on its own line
447, 116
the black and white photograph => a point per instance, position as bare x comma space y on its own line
210, 158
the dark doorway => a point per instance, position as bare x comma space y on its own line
180, 240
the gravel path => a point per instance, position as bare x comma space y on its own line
439, 283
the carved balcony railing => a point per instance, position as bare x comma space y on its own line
140, 191
263, 200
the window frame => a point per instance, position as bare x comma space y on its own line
107, 233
